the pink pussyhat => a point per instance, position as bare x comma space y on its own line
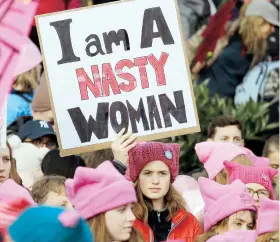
268, 216
30, 57
145, 152
221, 201
262, 175
95, 191
235, 236
257, 160
10, 190
213, 154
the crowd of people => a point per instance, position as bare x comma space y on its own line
134, 191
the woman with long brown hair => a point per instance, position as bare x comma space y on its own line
160, 211
8, 166
227, 208
228, 52
104, 198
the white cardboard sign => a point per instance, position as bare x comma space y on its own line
115, 66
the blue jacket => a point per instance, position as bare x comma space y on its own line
19, 104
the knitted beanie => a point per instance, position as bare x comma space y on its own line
41, 101
268, 216
10, 190
213, 154
95, 191
49, 224
262, 175
146, 152
235, 236
221, 201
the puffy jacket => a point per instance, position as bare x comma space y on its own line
184, 227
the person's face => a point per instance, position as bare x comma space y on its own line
58, 199
5, 164
257, 191
119, 223
274, 159
44, 142
154, 180
242, 220
231, 134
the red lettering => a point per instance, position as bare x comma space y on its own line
126, 76
141, 62
86, 83
158, 65
109, 79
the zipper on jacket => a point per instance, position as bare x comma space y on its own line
158, 217
176, 226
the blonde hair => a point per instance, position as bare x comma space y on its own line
266, 237
174, 201
221, 227
98, 228
223, 176
271, 145
42, 187
249, 30
29, 80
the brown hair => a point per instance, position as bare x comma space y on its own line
13, 173
271, 145
266, 237
220, 227
28, 81
98, 228
95, 158
42, 187
249, 30
220, 122
223, 176
174, 201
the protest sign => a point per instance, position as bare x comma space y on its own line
15, 21
115, 66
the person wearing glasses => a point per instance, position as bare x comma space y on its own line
39, 133
258, 180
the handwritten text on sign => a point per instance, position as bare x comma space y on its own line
110, 69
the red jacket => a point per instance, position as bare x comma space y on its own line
184, 227
50, 6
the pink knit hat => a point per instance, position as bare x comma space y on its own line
10, 190
95, 191
213, 154
252, 174
235, 236
268, 216
257, 160
215, 196
146, 152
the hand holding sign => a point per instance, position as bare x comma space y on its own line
122, 144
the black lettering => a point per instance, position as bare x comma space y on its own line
136, 115
119, 107
96, 42
116, 38
151, 15
167, 108
153, 112
63, 31
85, 128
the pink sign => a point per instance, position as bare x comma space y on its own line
16, 17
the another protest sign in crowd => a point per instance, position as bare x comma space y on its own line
91, 156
